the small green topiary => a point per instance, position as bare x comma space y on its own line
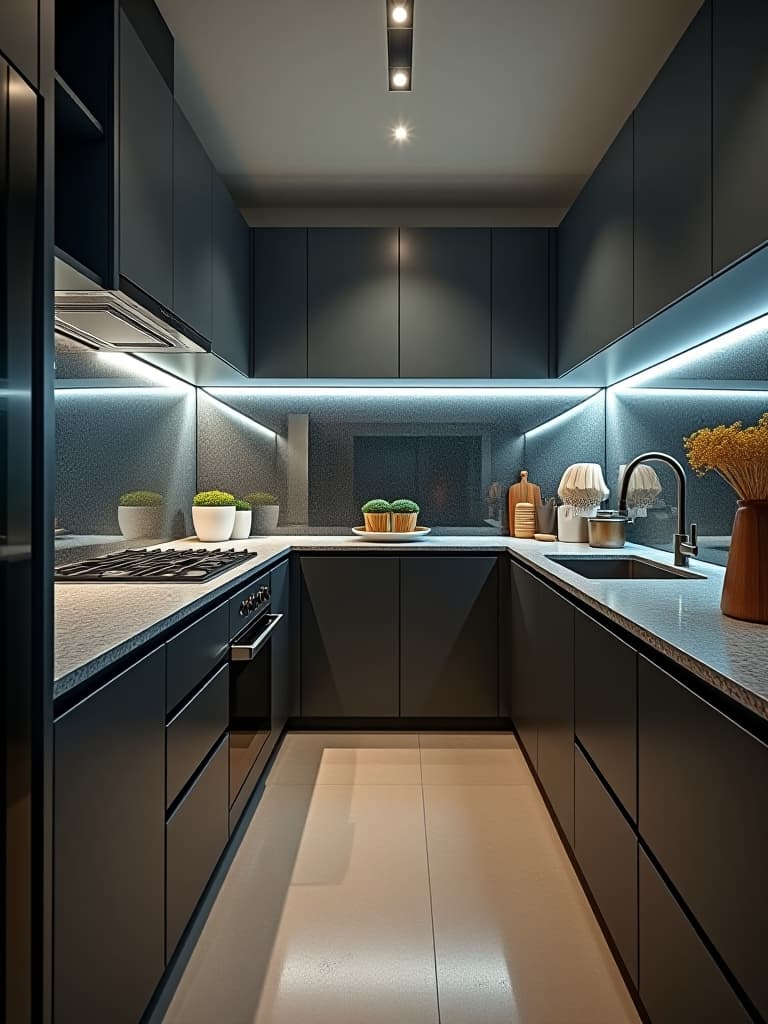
376, 505
262, 498
405, 505
242, 506
141, 499
213, 499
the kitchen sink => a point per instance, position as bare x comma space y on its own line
621, 567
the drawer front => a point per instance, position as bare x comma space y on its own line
703, 790
606, 706
247, 604
606, 851
679, 980
194, 730
194, 652
195, 836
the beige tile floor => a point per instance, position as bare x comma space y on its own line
401, 878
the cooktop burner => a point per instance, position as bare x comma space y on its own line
142, 565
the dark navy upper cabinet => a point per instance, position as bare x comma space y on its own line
445, 302
449, 637
595, 258
520, 302
146, 170
192, 227
740, 128
673, 181
279, 302
18, 35
231, 331
352, 302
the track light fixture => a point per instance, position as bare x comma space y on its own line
400, 44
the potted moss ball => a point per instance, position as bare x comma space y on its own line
377, 515
266, 512
404, 515
213, 513
243, 516
141, 514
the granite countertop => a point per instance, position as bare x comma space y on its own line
99, 624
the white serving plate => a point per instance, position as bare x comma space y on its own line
391, 538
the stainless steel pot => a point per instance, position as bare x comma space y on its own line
607, 529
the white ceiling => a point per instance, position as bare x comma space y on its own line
514, 101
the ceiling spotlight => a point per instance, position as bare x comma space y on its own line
399, 13
401, 133
400, 79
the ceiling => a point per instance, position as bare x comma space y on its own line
514, 101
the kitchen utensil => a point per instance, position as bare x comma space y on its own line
571, 527
525, 520
548, 537
546, 516
523, 491
607, 529
390, 537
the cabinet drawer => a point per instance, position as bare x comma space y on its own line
679, 980
195, 652
606, 850
245, 606
195, 835
194, 730
606, 706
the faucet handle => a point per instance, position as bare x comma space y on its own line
693, 535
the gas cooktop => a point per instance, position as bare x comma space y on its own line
143, 565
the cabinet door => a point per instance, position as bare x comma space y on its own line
595, 258
349, 636
520, 302
679, 980
280, 302
606, 850
703, 789
109, 848
673, 183
605, 679
445, 302
146, 170
522, 682
352, 302
192, 227
231, 281
18, 35
449, 637
284, 703
739, 127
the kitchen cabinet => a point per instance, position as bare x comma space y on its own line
284, 697
739, 128
522, 682
606, 851
192, 227
445, 302
146, 170
449, 637
280, 302
193, 731
702, 785
349, 636
595, 258
109, 848
605, 680
679, 980
673, 183
194, 652
231, 285
520, 302
18, 35
352, 299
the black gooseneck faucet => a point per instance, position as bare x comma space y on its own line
685, 544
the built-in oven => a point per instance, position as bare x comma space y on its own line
252, 626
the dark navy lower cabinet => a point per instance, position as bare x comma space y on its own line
522, 683
449, 637
284, 694
606, 851
678, 979
109, 849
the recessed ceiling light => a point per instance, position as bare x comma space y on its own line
399, 13
400, 79
401, 133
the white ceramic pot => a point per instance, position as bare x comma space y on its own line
264, 519
571, 525
242, 525
213, 523
141, 521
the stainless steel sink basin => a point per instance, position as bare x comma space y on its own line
621, 567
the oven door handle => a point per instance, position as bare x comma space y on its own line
247, 652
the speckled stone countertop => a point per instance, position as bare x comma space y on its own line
99, 624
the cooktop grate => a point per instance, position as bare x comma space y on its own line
144, 565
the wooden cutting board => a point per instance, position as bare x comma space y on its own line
524, 491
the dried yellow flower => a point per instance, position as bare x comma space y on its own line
739, 454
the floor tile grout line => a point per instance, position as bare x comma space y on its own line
429, 884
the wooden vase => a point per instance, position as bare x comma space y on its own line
377, 522
745, 590
404, 522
